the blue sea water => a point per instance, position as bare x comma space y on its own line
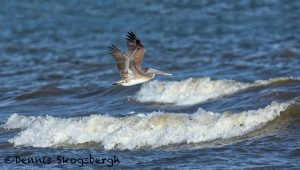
232, 102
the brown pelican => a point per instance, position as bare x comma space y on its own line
129, 63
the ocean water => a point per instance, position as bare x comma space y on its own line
232, 102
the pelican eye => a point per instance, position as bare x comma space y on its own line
146, 69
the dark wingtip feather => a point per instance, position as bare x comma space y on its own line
111, 48
131, 36
139, 42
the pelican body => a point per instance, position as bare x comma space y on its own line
129, 63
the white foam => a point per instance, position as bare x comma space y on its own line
194, 90
141, 130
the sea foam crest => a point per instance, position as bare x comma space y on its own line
141, 130
194, 90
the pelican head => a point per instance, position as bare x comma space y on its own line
149, 70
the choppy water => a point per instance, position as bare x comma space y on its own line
232, 102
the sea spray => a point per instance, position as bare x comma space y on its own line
195, 90
141, 130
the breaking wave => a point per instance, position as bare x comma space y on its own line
153, 130
195, 90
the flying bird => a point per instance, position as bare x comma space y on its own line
129, 63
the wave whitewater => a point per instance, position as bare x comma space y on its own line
153, 130
195, 90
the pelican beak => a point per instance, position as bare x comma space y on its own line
159, 72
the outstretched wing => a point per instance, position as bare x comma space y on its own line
122, 61
135, 51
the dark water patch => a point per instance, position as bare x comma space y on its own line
43, 92
92, 92
295, 153
50, 77
288, 53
